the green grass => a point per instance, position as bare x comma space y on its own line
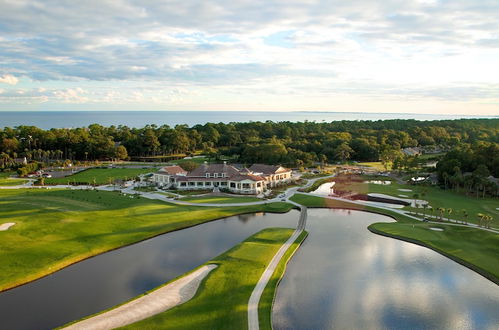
443, 198
376, 165
221, 199
193, 192
476, 249
101, 176
55, 228
221, 301
5, 179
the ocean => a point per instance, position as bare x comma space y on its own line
71, 119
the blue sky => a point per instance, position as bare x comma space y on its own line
418, 56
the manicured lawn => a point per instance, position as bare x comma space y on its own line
193, 192
476, 249
221, 199
100, 175
376, 165
221, 301
5, 179
55, 228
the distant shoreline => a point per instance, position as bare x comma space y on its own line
137, 119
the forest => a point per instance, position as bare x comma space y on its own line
469, 143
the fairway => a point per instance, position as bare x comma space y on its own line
6, 180
55, 228
221, 301
100, 176
221, 199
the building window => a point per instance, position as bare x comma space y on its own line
200, 184
182, 184
258, 184
246, 186
192, 183
215, 175
208, 183
207, 175
232, 185
223, 183
223, 175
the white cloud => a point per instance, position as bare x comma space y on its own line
298, 47
9, 79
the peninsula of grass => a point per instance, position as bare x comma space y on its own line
473, 248
221, 199
7, 180
222, 298
56, 228
100, 176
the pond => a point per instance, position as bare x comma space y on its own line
345, 277
111, 278
342, 277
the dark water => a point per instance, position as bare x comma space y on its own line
67, 119
344, 277
111, 278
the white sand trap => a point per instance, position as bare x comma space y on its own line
167, 297
403, 196
436, 229
407, 190
379, 182
6, 225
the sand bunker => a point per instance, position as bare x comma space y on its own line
379, 182
407, 190
436, 229
167, 297
403, 196
6, 225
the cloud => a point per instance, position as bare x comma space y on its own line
250, 45
9, 79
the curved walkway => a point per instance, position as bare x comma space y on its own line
167, 297
254, 299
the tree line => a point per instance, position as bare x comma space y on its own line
288, 143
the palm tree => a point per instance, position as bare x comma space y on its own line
481, 217
441, 210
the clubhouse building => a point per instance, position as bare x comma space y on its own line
253, 180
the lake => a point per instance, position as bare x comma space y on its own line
68, 119
343, 276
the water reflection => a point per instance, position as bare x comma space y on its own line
109, 279
345, 277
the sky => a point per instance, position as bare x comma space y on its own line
408, 56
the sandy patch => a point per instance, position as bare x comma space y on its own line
407, 190
436, 229
6, 225
167, 297
379, 182
403, 196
